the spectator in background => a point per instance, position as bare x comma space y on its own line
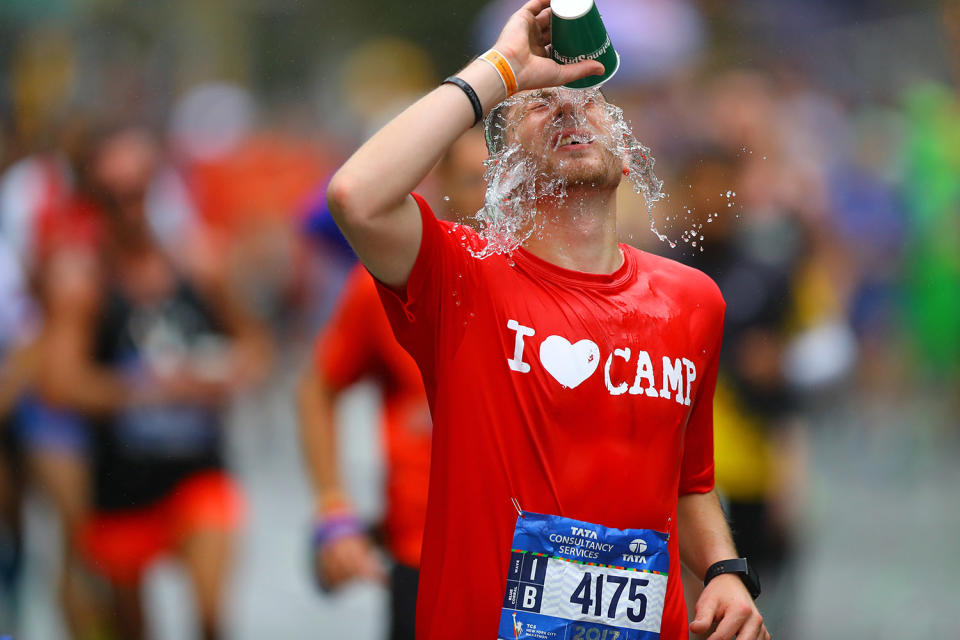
55, 442
151, 359
358, 343
49, 214
931, 192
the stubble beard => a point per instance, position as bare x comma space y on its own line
585, 169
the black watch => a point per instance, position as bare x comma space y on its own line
739, 566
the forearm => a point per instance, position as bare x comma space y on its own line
250, 352
91, 391
319, 439
380, 174
368, 195
704, 534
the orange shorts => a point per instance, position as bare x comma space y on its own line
122, 545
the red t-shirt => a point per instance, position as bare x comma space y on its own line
582, 395
358, 344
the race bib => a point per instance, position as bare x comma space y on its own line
574, 580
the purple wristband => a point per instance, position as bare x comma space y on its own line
336, 527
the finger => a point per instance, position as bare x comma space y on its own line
372, 568
751, 628
331, 571
361, 561
731, 623
764, 634
535, 6
706, 609
545, 37
341, 561
543, 19
571, 72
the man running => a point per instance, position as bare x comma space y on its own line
571, 381
151, 355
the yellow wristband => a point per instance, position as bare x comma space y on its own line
503, 68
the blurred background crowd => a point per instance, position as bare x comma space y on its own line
166, 262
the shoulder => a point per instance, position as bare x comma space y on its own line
463, 237
454, 234
680, 279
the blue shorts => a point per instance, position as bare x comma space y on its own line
41, 427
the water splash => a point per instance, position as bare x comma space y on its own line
520, 179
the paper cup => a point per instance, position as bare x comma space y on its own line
578, 34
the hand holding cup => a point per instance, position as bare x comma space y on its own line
525, 40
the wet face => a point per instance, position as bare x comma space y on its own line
569, 133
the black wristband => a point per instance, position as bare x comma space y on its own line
738, 566
474, 100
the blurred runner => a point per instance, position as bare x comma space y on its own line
358, 343
48, 212
55, 442
152, 359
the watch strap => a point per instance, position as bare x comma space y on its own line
738, 566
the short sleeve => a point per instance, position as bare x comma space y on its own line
423, 312
697, 466
344, 351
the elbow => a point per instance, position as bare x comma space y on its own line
349, 200
341, 196
355, 203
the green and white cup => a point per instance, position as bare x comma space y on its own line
577, 33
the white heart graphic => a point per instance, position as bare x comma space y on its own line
570, 364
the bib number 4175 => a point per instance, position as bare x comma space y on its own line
594, 588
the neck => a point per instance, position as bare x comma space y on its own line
578, 232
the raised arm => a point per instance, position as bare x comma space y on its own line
369, 195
